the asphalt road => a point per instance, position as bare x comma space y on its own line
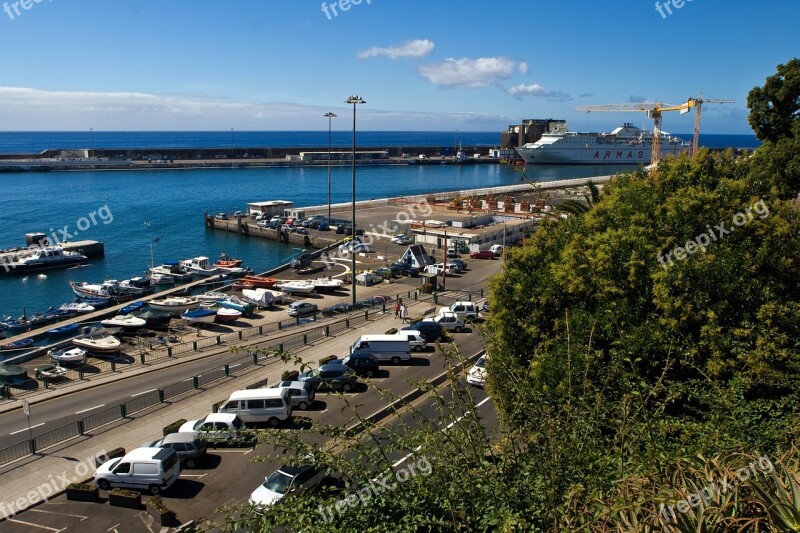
228, 475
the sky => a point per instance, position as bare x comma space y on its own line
427, 65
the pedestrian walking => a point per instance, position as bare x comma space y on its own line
396, 309
404, 313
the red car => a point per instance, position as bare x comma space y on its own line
483, 254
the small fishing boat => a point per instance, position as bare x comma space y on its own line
227, 262
172, 269
132, 307
98, 342
228, 315
124, 321
262, 297
162, 279
59, 314
212, 296
49, 372
200, 316
261, 282
97, 303
174, 304
199, 266
156, 319
17, 345
236, 272
68, 355
296, 287
63, 330
77, 307
233, 302
108, 290
16, 325
136, 286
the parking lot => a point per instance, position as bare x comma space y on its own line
227, 475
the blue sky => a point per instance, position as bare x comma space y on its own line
419, 64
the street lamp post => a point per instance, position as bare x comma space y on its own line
330, 116
354, 99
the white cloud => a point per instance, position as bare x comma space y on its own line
473, 73
415, 48
26, 109
534, 89
523, 67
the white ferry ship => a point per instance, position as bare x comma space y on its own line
626, 145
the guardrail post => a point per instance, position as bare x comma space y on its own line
122, 411
169, 351
32, 446
327, 331
279, 325
255, 358
141, 357
160, 395
80, 427
80, 373
196, 382
113, 365
4, 391
297, 320
383, 307
240, 334
227, 370
219, 340
280, 347
347, 322
305, 339
416, 295
260, 330
45, 381
194, 346
366, 316
470, 296
481, 293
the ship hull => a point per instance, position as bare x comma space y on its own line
592, 155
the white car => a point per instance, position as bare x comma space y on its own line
286, 480
477, 374
438, 268
401, 239
354, 247
449, 321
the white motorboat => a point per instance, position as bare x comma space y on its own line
50, 372
262, 297
71, 355
212, 296
172, 269
124, 321
43, 258
326, 284
200, 316
200, 266
296, 287
78, 307
109, 290
98, 342
174, 304
161, 279
228, 315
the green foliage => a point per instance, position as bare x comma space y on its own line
172, 428
426, 288
290, 375
124, 493
326, 359
774, 107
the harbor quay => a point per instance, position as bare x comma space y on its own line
473, 217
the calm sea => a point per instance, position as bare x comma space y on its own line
132, 209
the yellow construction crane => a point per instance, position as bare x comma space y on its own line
698, 107
653, 110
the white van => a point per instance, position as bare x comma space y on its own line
384, 347
272, 406
497, 249
151, 469
415, 339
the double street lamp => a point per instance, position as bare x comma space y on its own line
329, 116
354, 99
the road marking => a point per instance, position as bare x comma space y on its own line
248, 451
26, 429
89, 409
34, 525
325, 411
456, 421
114, 528
140, 393
234, 366
199, 476
230, 451
63, 514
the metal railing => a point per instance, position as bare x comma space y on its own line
124, 409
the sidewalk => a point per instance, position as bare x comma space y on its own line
30, 480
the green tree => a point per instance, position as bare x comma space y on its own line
774, 107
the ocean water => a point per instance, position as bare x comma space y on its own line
132, 209
37, 141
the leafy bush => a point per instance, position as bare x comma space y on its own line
290, 375
124, 493
326, 359
174, 427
